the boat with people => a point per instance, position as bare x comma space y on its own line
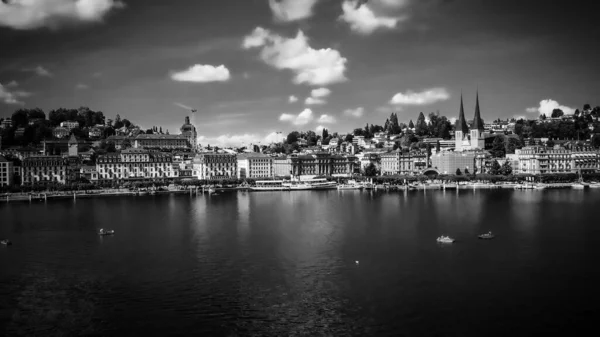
445, 239
310, 184
106, 231
269, 185
350, 185
486, 236
6, 242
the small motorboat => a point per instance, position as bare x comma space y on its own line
445, 239
486, 236
106, 231
6, 242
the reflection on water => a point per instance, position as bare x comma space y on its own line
273, 264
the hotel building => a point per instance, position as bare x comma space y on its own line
215, 165
44, 169
134, 164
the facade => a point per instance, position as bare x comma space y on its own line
466, 139
254, 165
215, 165
189, 132
542, 160
95, 132
161, 141
134, 164
44, 169
69, 125
282, 166
60, 132
323, 164
6, 172
397, 162
448, 162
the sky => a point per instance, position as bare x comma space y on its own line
253, 68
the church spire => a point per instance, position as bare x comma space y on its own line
477, 122
461, 123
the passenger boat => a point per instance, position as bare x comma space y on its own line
445, 239
6, 242
269, 185
312, 184
486, 236
595, 185
539, 186
350, 185
106, 231
578, 186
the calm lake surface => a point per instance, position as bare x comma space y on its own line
283, 264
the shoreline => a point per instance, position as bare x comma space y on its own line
44, 196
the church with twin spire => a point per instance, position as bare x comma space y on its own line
469, 139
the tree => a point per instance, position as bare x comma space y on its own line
466, 170
596, 141
587, 107
458, 172
349, 138
495, 169
411, 125
550, 143
506, 169
126, 123
292, 137
557, 113
397, 146
498, 150
542, 117
325, 133
421, 126
19, 118
371, 170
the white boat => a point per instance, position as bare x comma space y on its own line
312, 184
445, 239
486, 236
578, 186
106, 231
269, 185
539, 186
350, 185
595, 185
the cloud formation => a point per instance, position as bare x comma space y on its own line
227, 140
326, 119
201, 73
293, 99
317, 96
9, 94
546, 106
82, 86
358, 112
425, 97
291, 10
40, 71
32, 14
303, 118
364, 20
311, 66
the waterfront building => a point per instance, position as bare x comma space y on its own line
160, 141
134, 164
390, 162
282, 166
188, 130
69, 125
322, 164
254, 165
465, 138
6, 172
448, 162
398, 162
41, 169
215, 165
540, 160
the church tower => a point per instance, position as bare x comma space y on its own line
461, 130
73, 146
477, 138
189, 131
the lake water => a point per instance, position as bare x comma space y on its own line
284, 264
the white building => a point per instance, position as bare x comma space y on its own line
215, 165
254, 165
134, 164
69, 125
6, 172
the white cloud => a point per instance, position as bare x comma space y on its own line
393, 3
317, 96
546, 106
358, 112
326, 119
303, 118
319, 129
183, 106
420, 98
40, 71
453, 120
363, 20
241, 140
293, 99
202, 73
311, 66
81, 86
32, 14
9, 96
291, 10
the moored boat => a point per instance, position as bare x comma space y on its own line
445, 239
269, 185
106, 231
595, 185
350, 185
311, 184
486, 236
578, 186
